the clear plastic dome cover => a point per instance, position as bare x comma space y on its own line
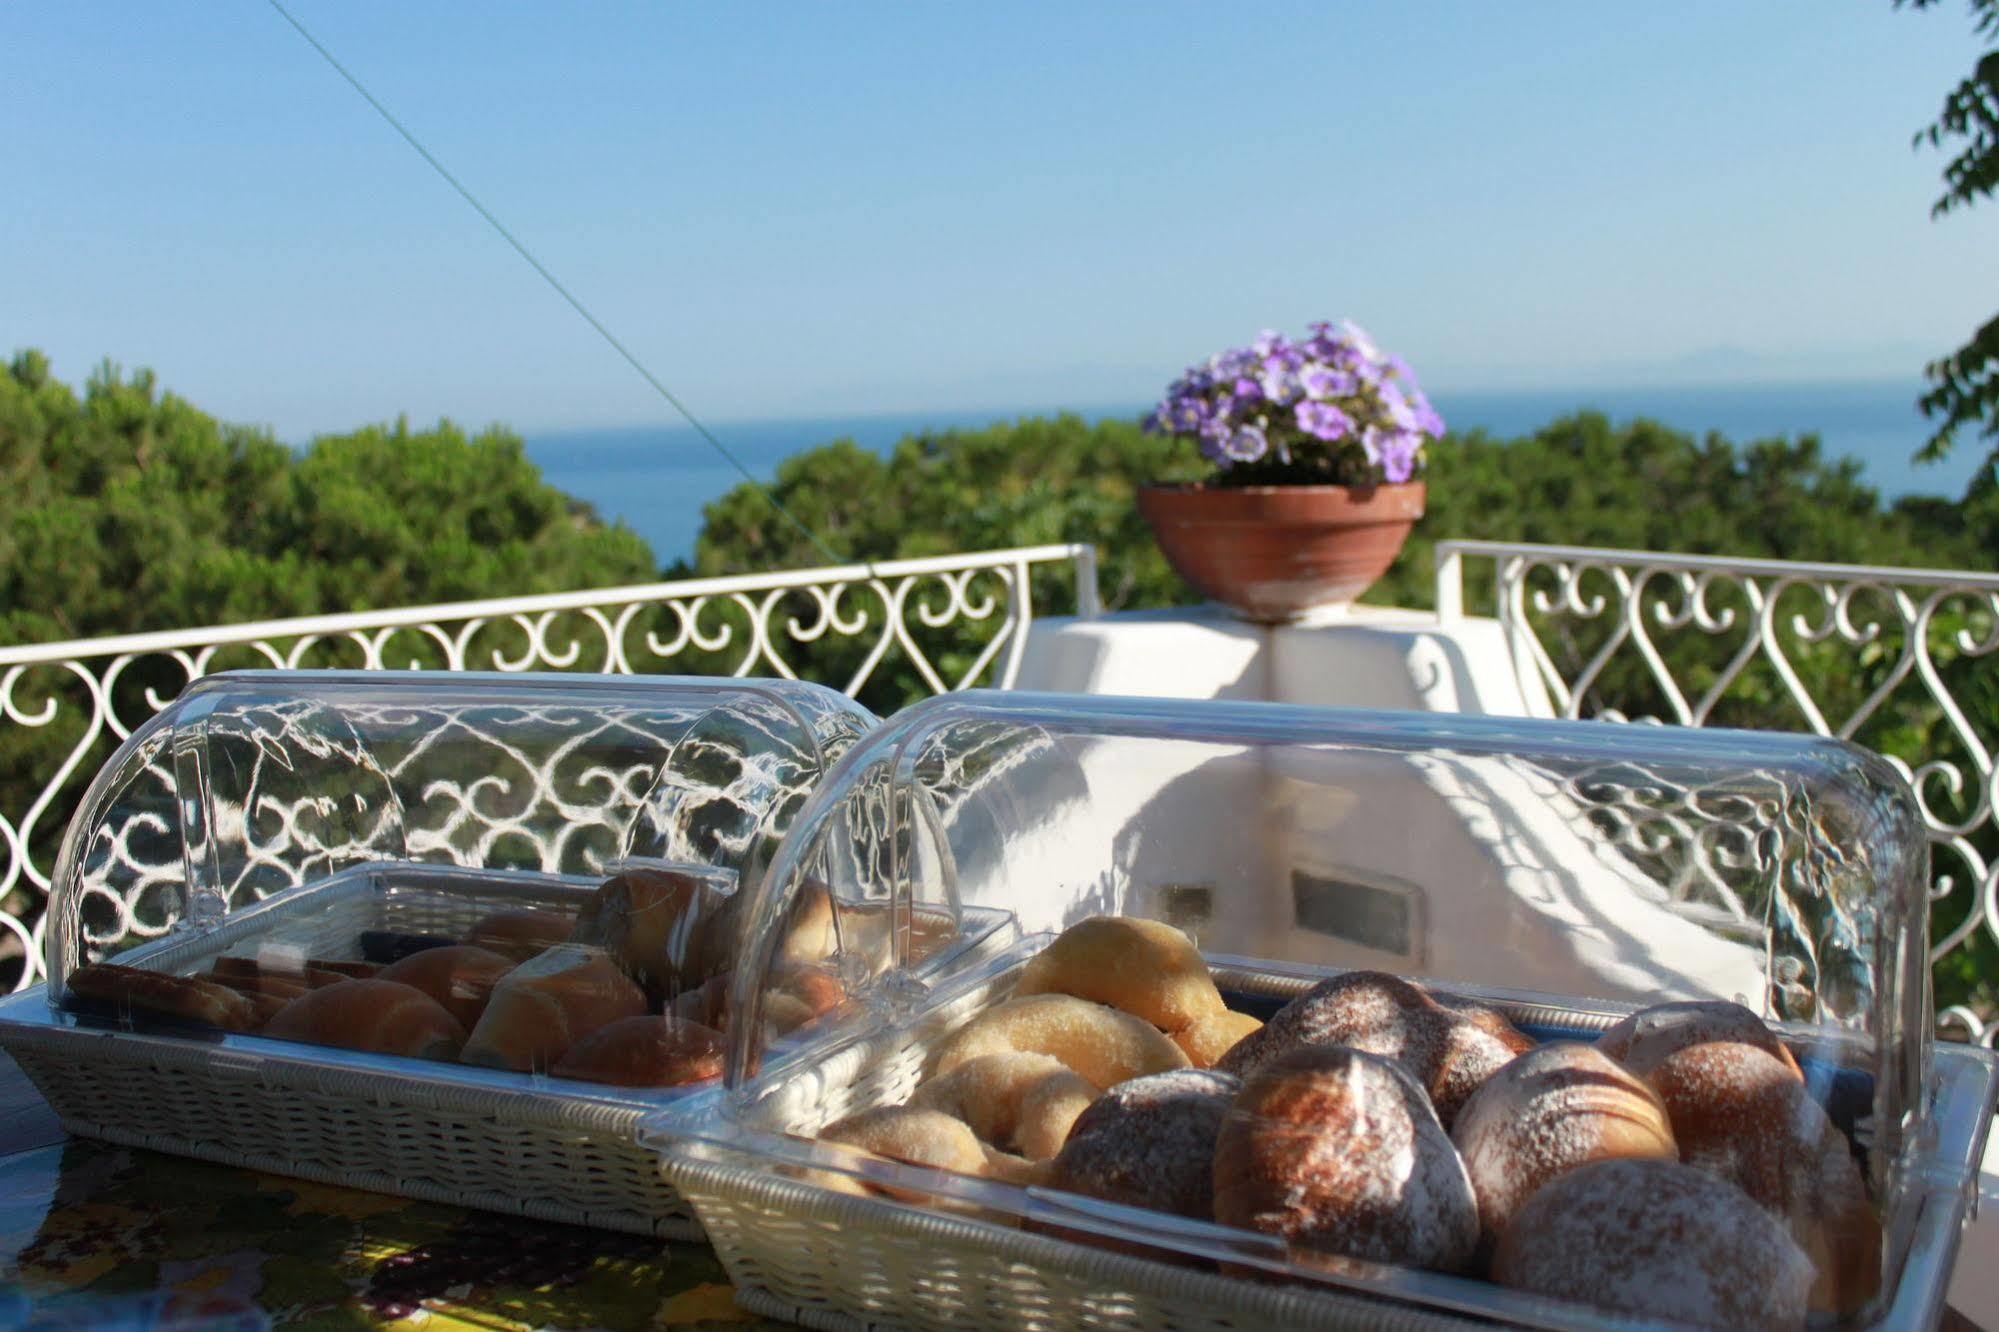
1551, 878
254, 782
270, 834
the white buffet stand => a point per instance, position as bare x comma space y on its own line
1359, 656
1369, 657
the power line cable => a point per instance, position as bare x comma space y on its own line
831, 556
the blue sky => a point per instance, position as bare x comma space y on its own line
797, 210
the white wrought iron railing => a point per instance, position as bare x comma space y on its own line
1900, 660
937, 624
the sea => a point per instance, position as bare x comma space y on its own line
656, 478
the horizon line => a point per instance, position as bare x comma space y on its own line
1107, 410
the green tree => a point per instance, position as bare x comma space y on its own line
125, 508
1964, 386
1581, 480
1024, 483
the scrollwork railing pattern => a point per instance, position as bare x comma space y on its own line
880, 632
1904, 661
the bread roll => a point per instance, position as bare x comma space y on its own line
1659, 1241
645, 1052
267, 1007
519, 934
809, 933
1645, 1039
1150, 1142
1549, 1111
1339, 1150
1103, 1044
460, 977
1138, 966
707, 1004
1021, 1103
818, 988
1449, 1056
544, 1006
1466, 1055
1741, 1111
283, 987
870, 933
228, 966
659, 926
1213, 1036
798, 993
377, 1016
131, 991
267, 994
1744, 1116
916, 1136
1486, 1018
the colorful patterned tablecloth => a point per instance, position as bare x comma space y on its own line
93, 1235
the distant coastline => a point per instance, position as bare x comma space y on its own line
656, 478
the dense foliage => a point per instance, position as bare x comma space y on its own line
125, 508
1964, 386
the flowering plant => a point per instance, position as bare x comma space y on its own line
1331, 410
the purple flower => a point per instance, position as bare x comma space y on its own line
1280, 385
1396, 407
1233, 363
1339, 354
1214, 435
1334, 398
1323, 382
1179, 413
1427, 419
1189, 414
1398, 450
1357, 337
1247, 445
1322, 420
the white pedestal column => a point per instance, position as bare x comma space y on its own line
1363, 656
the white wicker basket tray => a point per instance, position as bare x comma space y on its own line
1567, 874
534, 1146
822, 1258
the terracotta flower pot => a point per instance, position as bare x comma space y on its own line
1274, 552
